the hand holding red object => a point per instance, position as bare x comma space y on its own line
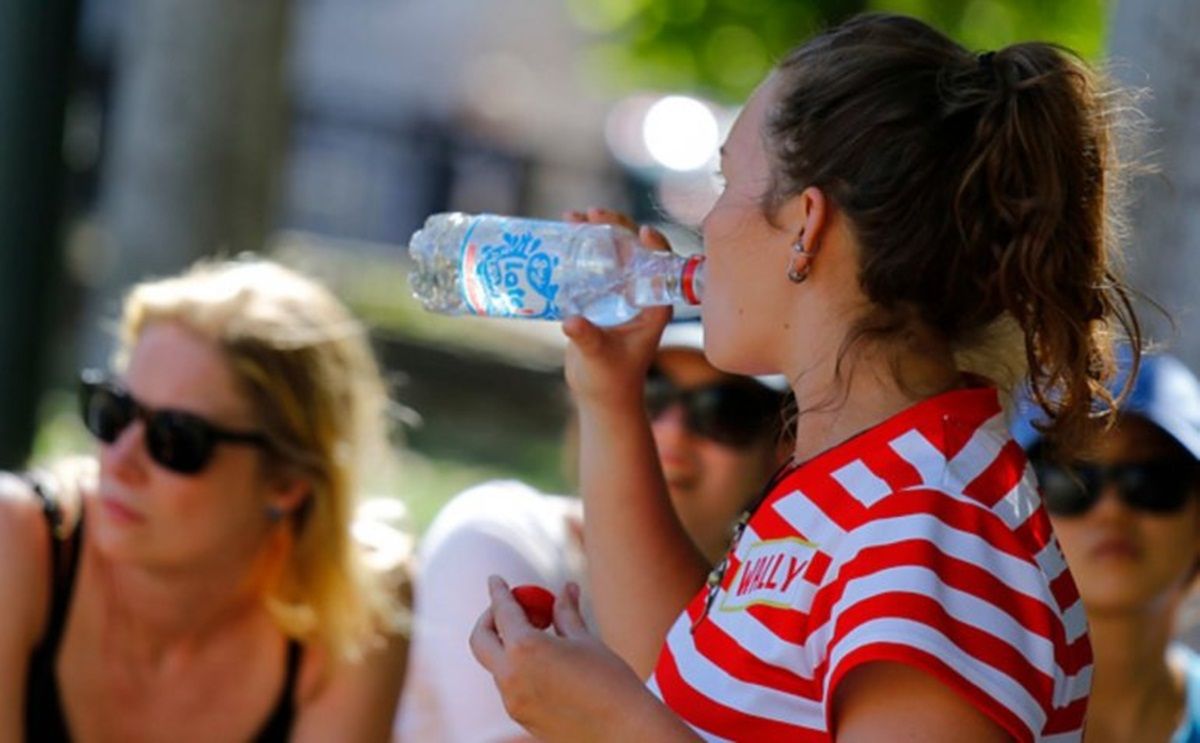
538, 604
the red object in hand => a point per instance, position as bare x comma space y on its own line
538, 604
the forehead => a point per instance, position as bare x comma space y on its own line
173, 366
745, 136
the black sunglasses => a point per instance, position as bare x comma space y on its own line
1159, 486
180, 442
732, 412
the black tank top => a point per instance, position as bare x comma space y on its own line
44, 718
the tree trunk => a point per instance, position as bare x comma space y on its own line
36, 45
199, 110
1153, 45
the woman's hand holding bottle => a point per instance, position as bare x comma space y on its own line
606, 367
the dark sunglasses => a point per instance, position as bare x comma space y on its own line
180, 442
1159, 486
733, 412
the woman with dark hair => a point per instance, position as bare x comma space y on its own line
904, 226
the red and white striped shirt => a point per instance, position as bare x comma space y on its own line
921, 541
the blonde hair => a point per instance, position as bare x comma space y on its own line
305, 365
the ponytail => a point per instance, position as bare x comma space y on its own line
980, 189
1033, 201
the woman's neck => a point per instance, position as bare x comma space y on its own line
840, 395
1135, 695
160, 611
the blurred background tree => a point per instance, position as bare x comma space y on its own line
722, 48
36, 56
323, 132
1153, 47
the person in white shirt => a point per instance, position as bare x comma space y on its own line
719, 438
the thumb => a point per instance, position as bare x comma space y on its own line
568, 620
587, 337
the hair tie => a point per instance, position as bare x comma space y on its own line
987, 66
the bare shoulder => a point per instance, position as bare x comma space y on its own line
24, 562
25, 537
23, 524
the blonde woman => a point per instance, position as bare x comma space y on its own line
204, 584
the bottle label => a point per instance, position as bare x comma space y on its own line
509, 275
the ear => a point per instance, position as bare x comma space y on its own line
287, 492
806, 217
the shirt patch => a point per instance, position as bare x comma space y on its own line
771, 573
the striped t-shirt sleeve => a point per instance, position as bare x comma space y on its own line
938, 582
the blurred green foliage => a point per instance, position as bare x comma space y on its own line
722, 48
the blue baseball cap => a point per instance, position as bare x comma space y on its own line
1166, 393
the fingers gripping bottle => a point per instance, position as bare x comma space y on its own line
528, 268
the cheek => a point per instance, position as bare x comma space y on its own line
1175, 542
217, 504
1071, 534
726, 227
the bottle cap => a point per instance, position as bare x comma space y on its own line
691, 287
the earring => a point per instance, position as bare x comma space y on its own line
275, 514
801, 262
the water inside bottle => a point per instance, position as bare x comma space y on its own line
611, 309
510, 267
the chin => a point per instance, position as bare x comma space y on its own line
737, 359
1119, 600
729, 348
114, 542
721, 353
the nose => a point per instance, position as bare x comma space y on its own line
1110, 504
670, 427
125, 456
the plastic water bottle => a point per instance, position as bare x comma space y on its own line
529, 268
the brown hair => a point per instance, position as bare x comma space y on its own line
979, 188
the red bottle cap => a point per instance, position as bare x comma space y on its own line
689, 279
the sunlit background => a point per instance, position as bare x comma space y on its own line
140, 135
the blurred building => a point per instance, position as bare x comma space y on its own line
406, 108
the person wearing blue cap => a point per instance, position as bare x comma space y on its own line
1127, 515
